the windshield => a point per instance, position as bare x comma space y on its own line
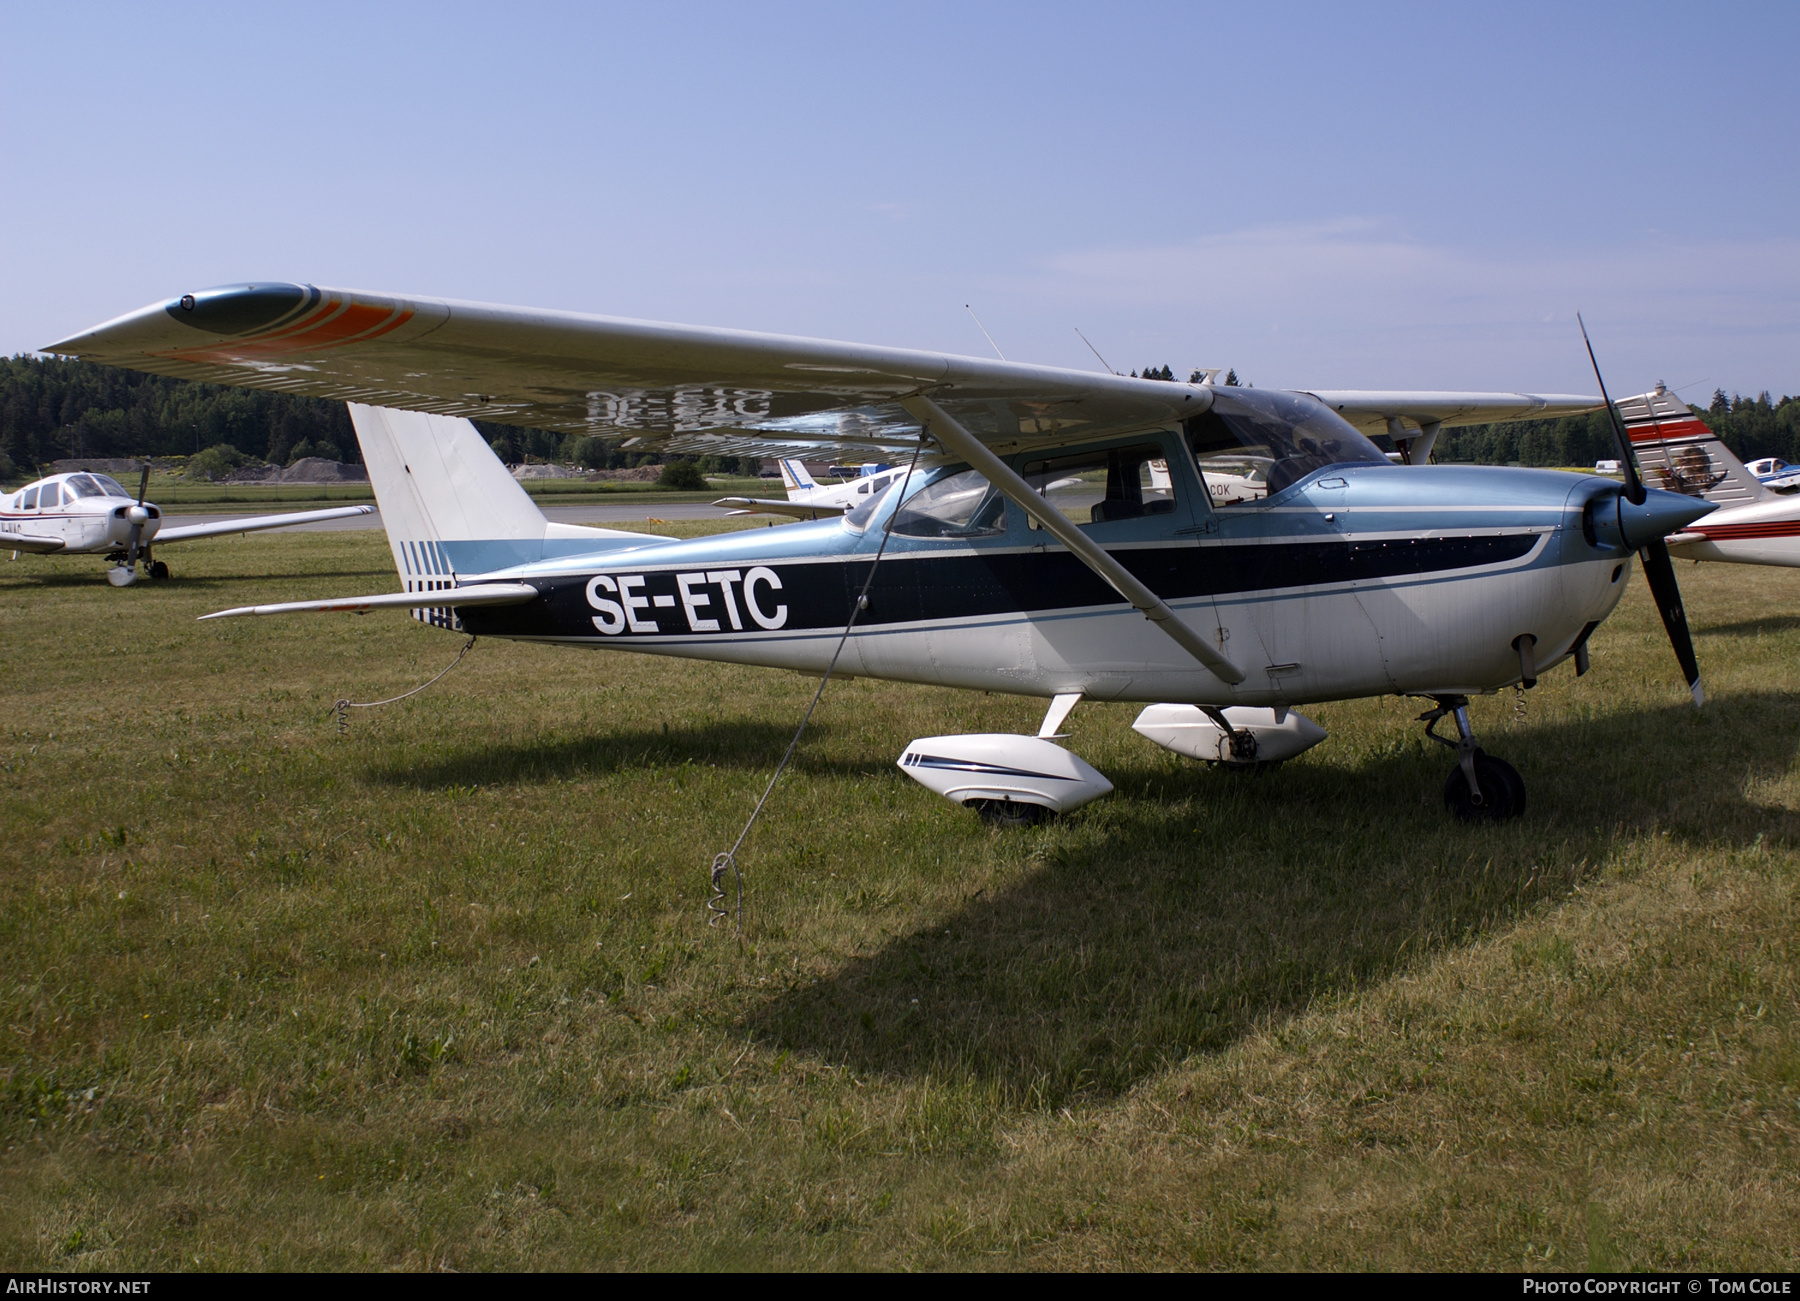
857, 519
78, 486
961, 504
110, 486
1252, 443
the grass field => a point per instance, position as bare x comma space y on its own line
179, 495
440, 993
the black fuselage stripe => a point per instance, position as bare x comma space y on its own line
910, 589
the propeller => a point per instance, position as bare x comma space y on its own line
138, 515
1634, 483
1659, 570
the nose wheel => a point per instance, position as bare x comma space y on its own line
1480, 788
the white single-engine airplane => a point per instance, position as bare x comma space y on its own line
807, 498
83, 513
1758, 520
1342, 576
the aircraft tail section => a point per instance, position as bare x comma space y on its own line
1676, 450
449, 506
795, 477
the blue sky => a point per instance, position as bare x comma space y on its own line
1318, 195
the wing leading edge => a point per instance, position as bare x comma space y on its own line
681, 388
685, 388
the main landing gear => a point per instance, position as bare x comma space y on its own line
1480, 788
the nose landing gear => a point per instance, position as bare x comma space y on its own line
1480, 788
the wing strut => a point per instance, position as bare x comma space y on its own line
964, 444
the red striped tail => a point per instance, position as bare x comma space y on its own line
1676, 451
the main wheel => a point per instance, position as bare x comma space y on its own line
158, 570
1502, 791
1010, 813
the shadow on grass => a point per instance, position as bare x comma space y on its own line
746, 744
1771, 625
1191, 909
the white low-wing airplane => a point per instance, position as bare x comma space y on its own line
82, 513
1342, 576
807, 498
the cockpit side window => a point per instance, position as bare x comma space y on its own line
1250, 444
1100, 487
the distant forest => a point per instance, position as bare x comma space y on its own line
1750, 427
51, 409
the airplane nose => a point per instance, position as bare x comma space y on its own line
1661, 514
1620, 525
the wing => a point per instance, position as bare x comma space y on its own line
33, 543
450, 598
256, 524
686, 389
1370, 411
770, 506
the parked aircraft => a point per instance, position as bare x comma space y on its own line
807, 498
83, 513
1757, 523
1347, 576
1775, 473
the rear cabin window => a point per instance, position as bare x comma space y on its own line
1101, 487
47, 496
28, 499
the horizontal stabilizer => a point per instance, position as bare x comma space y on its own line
449, 598
766, 506
257, 523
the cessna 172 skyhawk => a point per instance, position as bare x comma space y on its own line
1342, 576
84, 513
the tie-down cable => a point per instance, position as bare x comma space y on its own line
727, 861
343, 707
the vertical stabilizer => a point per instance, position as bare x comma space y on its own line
450, 507
1676, 450
795, 478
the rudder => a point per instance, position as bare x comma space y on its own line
1677, 451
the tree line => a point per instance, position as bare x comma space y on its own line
52, 408
1751, 427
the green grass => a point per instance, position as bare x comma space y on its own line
180, 495
441, 992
